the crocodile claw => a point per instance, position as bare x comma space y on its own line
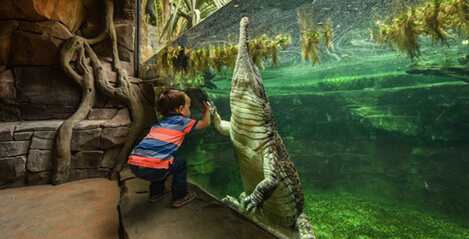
254, 211
215, 117
252, 205
211, 106
231, 201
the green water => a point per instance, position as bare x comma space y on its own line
380, 153
387, 158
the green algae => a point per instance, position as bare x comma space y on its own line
347, 217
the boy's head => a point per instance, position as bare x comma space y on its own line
174, 101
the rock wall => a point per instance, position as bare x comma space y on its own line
27, 150
34, 103
36, 96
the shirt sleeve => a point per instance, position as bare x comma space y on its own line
189, 125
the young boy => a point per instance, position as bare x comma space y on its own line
153, 159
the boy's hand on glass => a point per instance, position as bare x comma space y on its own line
206, 106
205, 121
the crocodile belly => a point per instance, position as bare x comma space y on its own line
248, 135
282, 207
250, 164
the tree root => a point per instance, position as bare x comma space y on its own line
84, 77
123, 90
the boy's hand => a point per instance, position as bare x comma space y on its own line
206, 106
205, 121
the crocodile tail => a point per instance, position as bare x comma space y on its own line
305, 228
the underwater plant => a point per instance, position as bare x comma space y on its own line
434, 22
215, 59
263, 48
438, 19
309, 45
311, 35
186, 67
169, 60
458, 13
433, 18
403, 34
273, 48
257, 48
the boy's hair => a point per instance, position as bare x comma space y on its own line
170, 100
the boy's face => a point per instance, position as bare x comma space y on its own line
184, 109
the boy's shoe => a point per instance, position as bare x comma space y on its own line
158, 197
185, 200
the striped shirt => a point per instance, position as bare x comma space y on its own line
157, 148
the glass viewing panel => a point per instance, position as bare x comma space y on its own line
370, 99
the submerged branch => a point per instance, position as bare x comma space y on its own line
458, 71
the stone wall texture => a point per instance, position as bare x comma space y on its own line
34, 102
36, 96
27, 148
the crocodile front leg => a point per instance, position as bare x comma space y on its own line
222, 126
267, 186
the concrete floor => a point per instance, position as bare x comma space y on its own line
81, 209
203, 218
90, 209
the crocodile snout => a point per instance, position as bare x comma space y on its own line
245, 21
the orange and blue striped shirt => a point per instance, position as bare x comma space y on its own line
157, 149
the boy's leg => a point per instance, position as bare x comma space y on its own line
158, 191
179, 171
157, 177
179, 189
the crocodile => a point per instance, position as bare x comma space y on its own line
271, 183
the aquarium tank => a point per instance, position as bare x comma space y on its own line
370, 97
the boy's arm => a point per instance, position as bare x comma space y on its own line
205, 121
